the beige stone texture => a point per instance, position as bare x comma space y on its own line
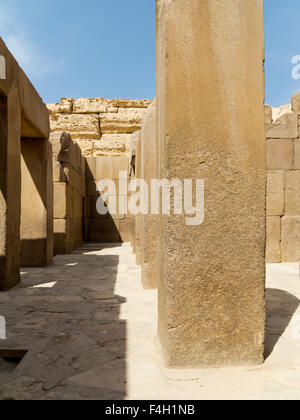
65, 106
273, 248
130, 103
150, 221
268, 114
284, 127
290, 238
22, 115
106, 167
101, 127
127, 120
36, 202
61, 200
86, 146
10, 190
110, 227
275, 193
69, 193
112, 145
212, 276
89, 106
139, 249
292, 193
296, 154
280, 154
296, 103
278, 112
80, 302
81, 126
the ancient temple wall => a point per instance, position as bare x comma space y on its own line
101, 127
283, 186
69, 193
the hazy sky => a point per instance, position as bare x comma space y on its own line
107, 48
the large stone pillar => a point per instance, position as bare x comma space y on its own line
210, 95
149, 221
139, 217
36, 203
10, 187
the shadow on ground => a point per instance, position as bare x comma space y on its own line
71, 328
281, 307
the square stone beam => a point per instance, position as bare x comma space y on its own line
34, 113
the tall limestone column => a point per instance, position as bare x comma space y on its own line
10, 190
210, 121
150, 221
139, 217
36, 203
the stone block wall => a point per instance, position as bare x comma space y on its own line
110, 227
283, 182
101, 127
69, 193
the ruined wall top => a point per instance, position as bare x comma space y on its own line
101, 127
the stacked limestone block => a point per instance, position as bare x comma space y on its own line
101, 127
283, 185
113, 226
69, 193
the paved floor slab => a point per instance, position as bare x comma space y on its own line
89, 330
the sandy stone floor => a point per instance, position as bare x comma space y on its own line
88, 331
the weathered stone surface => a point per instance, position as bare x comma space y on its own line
275, 193
60, 142
102, 148
130, 103
273, 250
150, 221
139, 247
127, 120
61, 200
126, 229
278, 112
69, 190
98, 125
116, 138
84, 126
296, 103
10, 189
280, 154
86, 146
268, 114
217, 267
89, 106
292, 193
22, 114
284, 127
106, 167
36, 203
68, 317
91, 339
112, 145
290, 238
65, 106
296, 154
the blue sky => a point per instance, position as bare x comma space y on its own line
282, 38
107, 48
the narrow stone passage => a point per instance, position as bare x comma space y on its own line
87, 330
67, 318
